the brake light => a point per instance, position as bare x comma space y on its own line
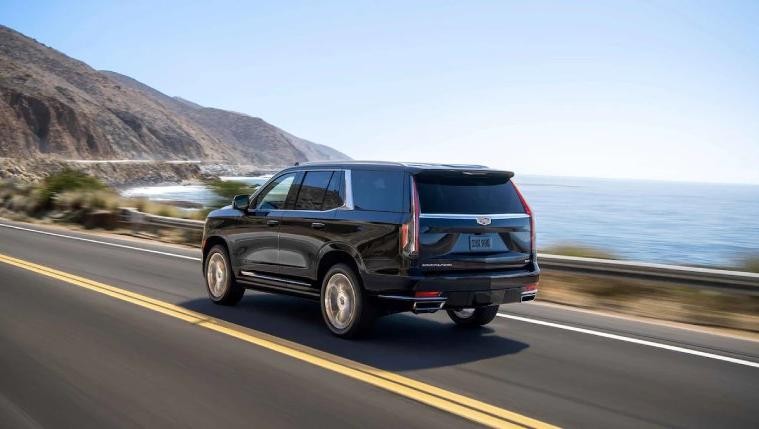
531, 287
427, 294
404, 236
528, 212
410, 231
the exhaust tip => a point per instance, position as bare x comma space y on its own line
427, 307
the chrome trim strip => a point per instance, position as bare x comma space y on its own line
412, 298
473, 216
272, 278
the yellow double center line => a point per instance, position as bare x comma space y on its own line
476, 411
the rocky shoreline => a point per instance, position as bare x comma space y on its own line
119, 174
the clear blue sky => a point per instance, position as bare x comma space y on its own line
642, 89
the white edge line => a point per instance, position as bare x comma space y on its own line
632, 340
123, 246
507, 316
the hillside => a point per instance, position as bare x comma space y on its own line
55, 106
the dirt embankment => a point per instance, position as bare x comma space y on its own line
113, 174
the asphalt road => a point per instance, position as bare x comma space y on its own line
71, 357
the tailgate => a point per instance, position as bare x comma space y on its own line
471, 222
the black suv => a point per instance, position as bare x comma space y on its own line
374, 238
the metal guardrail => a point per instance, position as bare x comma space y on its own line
693, 276
137, 218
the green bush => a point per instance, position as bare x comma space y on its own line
200, 214
226, 190
66, 180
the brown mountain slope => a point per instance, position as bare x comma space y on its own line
253, 137
51, 104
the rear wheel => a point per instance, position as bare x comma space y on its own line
473, 317
220, 283
345, 307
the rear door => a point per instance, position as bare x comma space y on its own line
308, 224
471, 221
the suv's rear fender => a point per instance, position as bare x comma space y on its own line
372, 238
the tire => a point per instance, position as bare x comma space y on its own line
345, 308
218, 269
480, 316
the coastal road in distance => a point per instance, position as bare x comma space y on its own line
98, 331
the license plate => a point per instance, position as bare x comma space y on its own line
480, 243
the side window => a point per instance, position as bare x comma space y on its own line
274, 196
378, 190
312, 190
332, 198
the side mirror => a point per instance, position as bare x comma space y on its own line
240, 202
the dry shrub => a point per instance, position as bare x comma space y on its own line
667, 301
579, 251
751, 264
87, 201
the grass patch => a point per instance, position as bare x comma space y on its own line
751, 264
665, 301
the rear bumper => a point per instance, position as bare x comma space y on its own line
464, 291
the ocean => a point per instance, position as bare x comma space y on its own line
662, 222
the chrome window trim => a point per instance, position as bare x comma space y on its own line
347, 185
473, 216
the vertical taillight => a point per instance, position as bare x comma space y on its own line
410, 231
529, 213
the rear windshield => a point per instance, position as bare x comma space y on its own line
377, 190
493, 194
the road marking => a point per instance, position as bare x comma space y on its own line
508, 316
106, 243
462, 406
632, 340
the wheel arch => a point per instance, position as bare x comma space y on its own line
335, 255
213, 241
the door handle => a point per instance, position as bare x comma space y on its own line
317, 225
272, 222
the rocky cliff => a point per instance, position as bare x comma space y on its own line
53, 106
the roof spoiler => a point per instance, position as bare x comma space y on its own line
466, 172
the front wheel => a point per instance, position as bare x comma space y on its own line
473, 317
345, 308
220, 283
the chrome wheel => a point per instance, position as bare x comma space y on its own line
216, 275
464, 313
340, 301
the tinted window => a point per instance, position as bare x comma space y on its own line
312, 190
332, 197
275, 194
467, 195
377, 190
